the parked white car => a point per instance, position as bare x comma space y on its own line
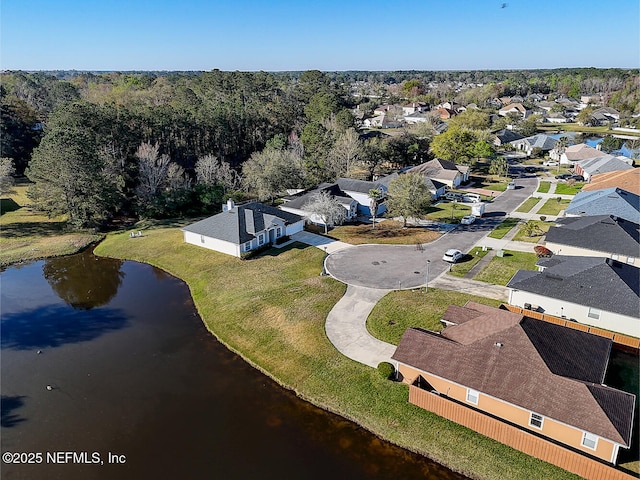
511, 186
550, 164
452, 255
468, 220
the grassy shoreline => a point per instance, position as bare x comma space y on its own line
277, 325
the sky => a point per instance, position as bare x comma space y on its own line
328, 35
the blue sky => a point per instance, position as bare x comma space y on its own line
329, 35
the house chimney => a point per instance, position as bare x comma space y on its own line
228, 206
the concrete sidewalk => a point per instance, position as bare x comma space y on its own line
346, 327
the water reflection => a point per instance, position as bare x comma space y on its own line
56, 325
84, 281
8, 404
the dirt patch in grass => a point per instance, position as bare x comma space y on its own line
386, 232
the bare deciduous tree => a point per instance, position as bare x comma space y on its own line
210, 170
324, 206
152, 171
344, 153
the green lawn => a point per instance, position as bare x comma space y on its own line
403, 309
26, 234
528, 204
386, 232
500, 269
544, 187
553, 206
442, 212
460, 269
277, 324
568, 189
541, 229
501, 230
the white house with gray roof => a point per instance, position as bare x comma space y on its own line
242, 228
608, 201
600, 292
544, 142
604, 236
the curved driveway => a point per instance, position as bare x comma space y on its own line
393, 267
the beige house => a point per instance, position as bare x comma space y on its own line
443, 171
519, 370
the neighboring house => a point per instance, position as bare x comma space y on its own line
242, 228
359, 191
514, 108
443, 171
444, 113
596, 236
520, 371
591, 290
578, 152
415, 107
608, 201
610, 115
602, 164
555, 117
505, 136
384, 109
628, 180
544, 142
297, 203
417, 117
381, 121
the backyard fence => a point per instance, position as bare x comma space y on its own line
514, 437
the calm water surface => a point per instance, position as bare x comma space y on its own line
133, 372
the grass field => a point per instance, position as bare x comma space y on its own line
501, 230
386, 232
553, 206
277, 324
28, 235
528, 204
568, 189
460, 269
443, 212
544, 187
541, 229
400, 310
500, 269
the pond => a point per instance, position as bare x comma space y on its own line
108, 372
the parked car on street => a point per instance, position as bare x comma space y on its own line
452, 255
562, 176
468, 219
577, 178
511, 186
550, 164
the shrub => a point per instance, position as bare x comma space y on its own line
386, 370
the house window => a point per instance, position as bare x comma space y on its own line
201, 238
614, 256
593, 313
472, 396
630, 260
278, 232
536, 420
261, 239
589, 440
247, 246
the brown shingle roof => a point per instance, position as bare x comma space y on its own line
518, 373
628, 180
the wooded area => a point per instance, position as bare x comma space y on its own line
159, 144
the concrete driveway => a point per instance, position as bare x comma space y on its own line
405, 266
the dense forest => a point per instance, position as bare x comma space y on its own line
98, 145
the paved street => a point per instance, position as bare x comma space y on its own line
405, 266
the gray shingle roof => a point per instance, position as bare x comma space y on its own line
596, 282
360, 186
603, 164
301, 199
600, 233
240, 224
608, 201
527, 369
